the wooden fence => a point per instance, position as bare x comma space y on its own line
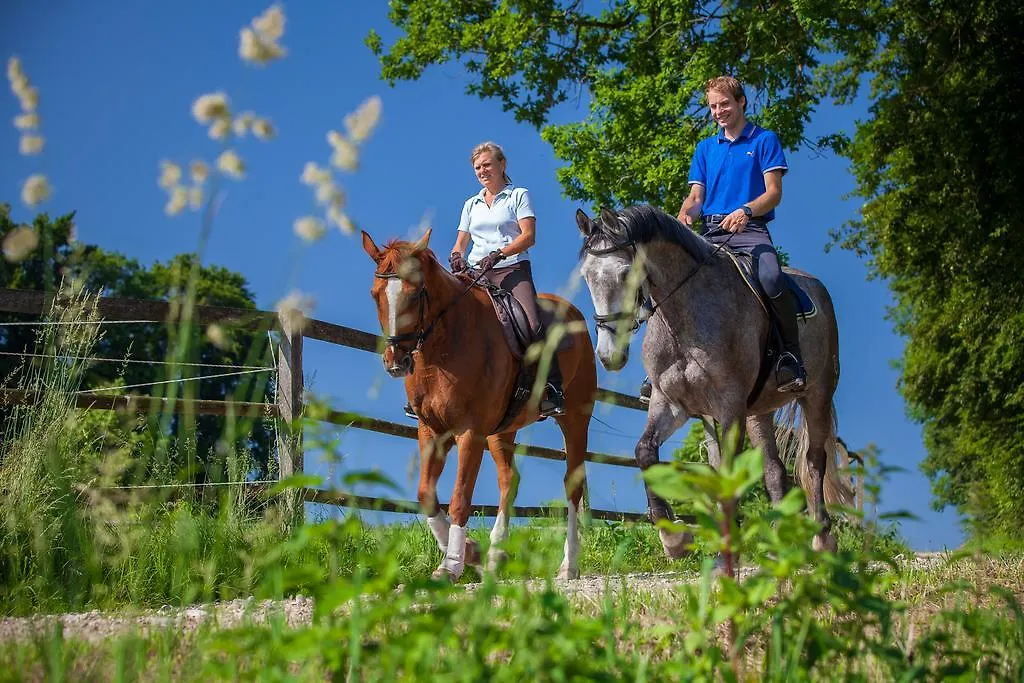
290, 391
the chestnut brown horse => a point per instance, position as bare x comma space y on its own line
445, 339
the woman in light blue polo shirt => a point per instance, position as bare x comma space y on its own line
500, 222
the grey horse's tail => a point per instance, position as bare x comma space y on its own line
793, 444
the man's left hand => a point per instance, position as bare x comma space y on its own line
489, 261
735, 221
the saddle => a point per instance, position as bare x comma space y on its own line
515, 327
806, 308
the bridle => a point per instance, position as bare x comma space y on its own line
641, 312
420, 333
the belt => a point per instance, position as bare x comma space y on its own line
715, 218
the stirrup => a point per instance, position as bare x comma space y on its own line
410, 413
799, 380
553, 402
645, 390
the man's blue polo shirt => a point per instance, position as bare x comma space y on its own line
732, 172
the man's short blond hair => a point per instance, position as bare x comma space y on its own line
727, 85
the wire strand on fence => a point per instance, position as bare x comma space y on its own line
43, 323
135, 360
172, 381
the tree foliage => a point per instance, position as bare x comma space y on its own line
935, 160
116, 275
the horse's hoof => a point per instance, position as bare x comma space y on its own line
565, 574
675, 543
444, 574
473, 557
824, 543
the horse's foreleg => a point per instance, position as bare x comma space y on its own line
574, 429
460, 552
761, 430
433, 454
663, 419
502, 450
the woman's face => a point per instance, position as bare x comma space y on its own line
488, 169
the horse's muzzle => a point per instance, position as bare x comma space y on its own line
400, 365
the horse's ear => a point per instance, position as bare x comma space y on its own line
609, 218
369, 247
586, 225
421, 243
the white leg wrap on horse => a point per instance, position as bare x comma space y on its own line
572, 544
674, 542
439, 527
455, 557
500, 530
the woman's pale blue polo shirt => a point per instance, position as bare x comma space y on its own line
496, 226
732, 171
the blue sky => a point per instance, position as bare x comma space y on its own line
117, 81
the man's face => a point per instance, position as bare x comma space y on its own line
725, 110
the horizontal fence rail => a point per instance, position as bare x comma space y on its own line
121, 309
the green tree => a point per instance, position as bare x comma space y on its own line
116, 275
940, 175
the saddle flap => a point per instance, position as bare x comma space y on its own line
515, 324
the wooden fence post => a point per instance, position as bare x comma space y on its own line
289, 404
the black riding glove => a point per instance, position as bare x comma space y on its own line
489, 261
457, 263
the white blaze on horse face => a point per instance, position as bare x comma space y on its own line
394, 292
606, 277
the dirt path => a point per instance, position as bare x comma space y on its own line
96, 626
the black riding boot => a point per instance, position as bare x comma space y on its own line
553, 402
789, 371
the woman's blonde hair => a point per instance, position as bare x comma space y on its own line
495, 149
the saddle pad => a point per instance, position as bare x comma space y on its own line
745, 265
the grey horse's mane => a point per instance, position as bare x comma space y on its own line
643, 224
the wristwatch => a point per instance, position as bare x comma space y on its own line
747, 210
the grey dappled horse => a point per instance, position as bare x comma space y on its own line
703, 352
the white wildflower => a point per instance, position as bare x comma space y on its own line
270, 24
341, 219
178, 201
263, 129
200, 171
195, 197
36, 190
315, 175
294, 310
242, 123
28, 121
170, 174
329, 194
29, 97
309, 228
31, 144
211, 106
253, 48
14, 72
346, 154
20, 242
230, 163
219, 129
362, 121
217, 336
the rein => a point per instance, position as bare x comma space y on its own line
420, 334
603, 320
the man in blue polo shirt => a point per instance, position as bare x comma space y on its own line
735, 185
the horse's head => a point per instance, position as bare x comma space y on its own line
400, 292
614, 275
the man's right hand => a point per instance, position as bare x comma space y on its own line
457, 262
686, 218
